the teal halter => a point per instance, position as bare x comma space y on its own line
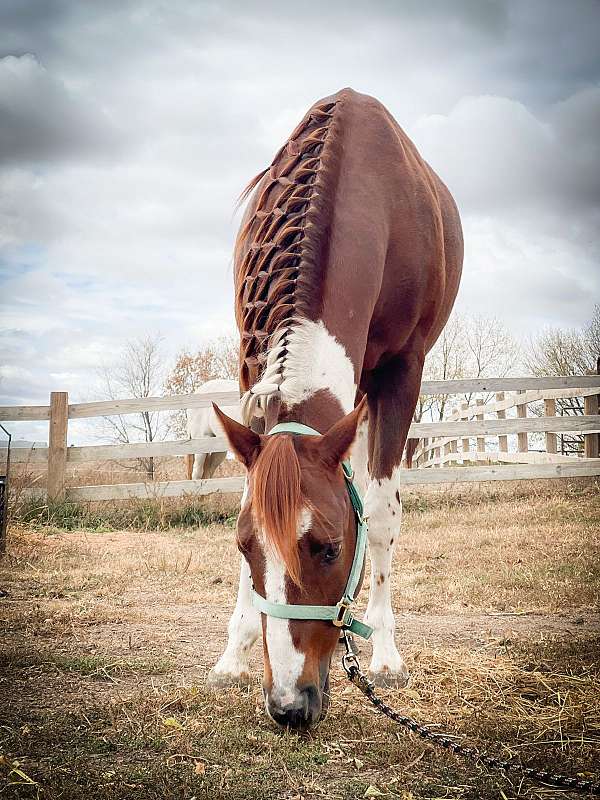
340, 614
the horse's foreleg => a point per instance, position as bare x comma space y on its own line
359, 458
198, 468
211, 463
233, 668
392, 396
189, 465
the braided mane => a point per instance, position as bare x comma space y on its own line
280, 250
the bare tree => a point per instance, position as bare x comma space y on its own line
566, 351
445, 362
218, 358
138, 371
557, 351
591, 334
468, 347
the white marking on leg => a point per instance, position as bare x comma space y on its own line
359, 458
383, 509
244, 625
198, 467
243, 631
286, 662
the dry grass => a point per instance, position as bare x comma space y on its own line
537, 552
108, 637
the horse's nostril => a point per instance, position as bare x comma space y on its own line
290, 717
303, 713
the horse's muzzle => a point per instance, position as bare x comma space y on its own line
305, 711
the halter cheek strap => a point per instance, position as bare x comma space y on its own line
340, 614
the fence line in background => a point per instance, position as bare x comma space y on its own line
592, 442
181, 447
429, 453
161, 489
439, 447
107, 408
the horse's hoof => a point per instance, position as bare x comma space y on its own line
389, 679
225, 680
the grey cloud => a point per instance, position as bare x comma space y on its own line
499, 157
132, 125
42, 120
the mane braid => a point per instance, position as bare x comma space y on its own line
278, 252
277, 500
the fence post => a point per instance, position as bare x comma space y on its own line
446, 452
466, 442
57, 445
502, 439
454, 442
422, 460
590, 406
550, 411
480, 439
522, 441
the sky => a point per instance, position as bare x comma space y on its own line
129, 128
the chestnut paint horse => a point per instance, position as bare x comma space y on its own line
347, 265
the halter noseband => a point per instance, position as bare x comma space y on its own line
340, 614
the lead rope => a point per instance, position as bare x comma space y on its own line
360, 680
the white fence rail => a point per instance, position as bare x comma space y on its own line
107, 408
445, 445
440, 444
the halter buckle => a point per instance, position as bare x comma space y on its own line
344, 617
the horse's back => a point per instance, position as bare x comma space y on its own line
396, 224
382, 250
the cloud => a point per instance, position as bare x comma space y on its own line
528, 189
43, 120
498, 156
129, 129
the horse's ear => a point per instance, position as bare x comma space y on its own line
244, 442
335, 445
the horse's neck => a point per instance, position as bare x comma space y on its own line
319, 411
316, 380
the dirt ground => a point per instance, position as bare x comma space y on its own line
107, 639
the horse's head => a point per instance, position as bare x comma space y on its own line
297, 531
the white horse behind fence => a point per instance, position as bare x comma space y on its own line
203, 422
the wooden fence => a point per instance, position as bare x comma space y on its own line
440, 447
437, 451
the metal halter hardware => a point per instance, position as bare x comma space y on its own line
340, 614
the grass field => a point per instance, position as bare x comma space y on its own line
108, 635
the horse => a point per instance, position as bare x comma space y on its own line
203, 422
347, 264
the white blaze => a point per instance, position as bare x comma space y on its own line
286, 662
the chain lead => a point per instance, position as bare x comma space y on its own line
359, 679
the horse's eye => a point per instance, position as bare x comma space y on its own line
331, 552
